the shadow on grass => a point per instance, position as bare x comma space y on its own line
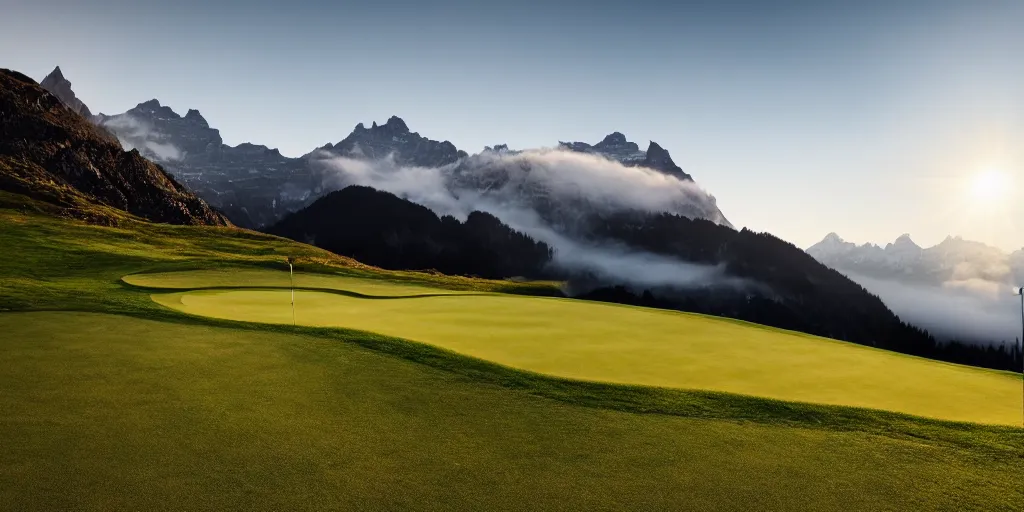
992, 441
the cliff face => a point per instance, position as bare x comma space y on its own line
53, 154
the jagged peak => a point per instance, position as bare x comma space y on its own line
833, 237
153, 103
60, 87
360, 128
195, 116
657, 155
658, 158
396, 123
904, 239
614, 138
656, 148
56, 74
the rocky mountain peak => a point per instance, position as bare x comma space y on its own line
57, 85
162, 135
905, 241
659, 159
616, 147
396, 124
65, 160
613, 139
394, 138
830, 246
194, 116
656, 153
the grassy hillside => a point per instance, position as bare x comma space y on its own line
112, 401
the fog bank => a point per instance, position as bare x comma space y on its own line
544, 194
974, 311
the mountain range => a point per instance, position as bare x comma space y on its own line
954, 260
51, 153
611, 220
256, 186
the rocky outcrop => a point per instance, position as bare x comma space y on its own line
657, 158
53, 154
61, 88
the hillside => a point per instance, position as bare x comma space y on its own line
381, 229
52, 154
120, 403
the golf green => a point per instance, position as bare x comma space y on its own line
621, 344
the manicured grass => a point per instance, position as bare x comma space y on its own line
109, 401
630, 345
105, 412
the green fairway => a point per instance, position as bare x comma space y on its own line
602, 342
111, 401
105, 412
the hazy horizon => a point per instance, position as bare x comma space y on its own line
868, 120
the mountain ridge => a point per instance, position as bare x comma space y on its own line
953, 259
53, 154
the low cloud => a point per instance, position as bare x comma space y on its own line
134, 133
541, 193
971, 310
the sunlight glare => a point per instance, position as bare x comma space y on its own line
991, 185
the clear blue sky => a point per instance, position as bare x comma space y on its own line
868, 119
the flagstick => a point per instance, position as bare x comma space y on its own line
1020, 291
291, 279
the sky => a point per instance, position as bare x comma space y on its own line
869, 119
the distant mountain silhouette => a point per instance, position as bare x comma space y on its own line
51, 153
952, 260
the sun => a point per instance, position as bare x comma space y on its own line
990, 185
